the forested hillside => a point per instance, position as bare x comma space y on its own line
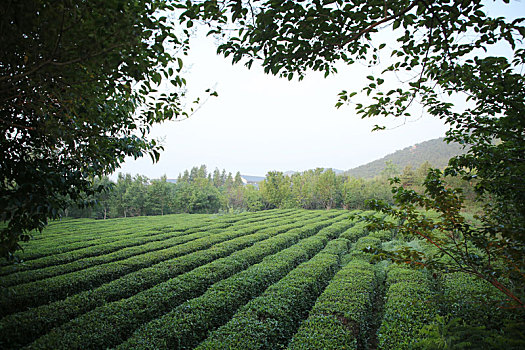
437, 152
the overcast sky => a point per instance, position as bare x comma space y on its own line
261, 123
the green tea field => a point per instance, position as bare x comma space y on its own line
277, 279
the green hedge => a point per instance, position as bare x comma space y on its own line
341, 315
53, 244
410, 304
38, 321
112, 323
124, 250
189, 323
63, 237
355, 232
472, 299
120, 250
383, 235
51, 289
268, 322
120, 238
363, 243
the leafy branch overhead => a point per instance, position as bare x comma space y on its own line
458, 245
445, 56
78, 92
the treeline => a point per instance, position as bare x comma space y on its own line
199, 191
195, 191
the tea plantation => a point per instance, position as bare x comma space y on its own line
277, 279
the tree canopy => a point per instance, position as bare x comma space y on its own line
78, 92
445, 55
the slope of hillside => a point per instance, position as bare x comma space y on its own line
436, 151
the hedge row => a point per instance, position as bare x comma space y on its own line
37, 321
268, 322
54, 244
115, 251
355, 232
40, 292
363, 244
102, 255
341, 315
111, 323
472, 299
126, 227
189, 323
383, 235
410, 304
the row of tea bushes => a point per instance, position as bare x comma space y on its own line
123, 234
411, 303
112, 323
189, 323
472, 299
63, 243
38, 321
355, 232
363, 244
341, 316
268, 321
126, 249
43, 291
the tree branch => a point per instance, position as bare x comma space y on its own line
51, 62
384, 20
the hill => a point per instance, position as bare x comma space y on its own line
437, 152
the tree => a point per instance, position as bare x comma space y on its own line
159, 196
253, 199
119, 206
275, 189
303, 188
461, 246
217, 178
103, 198
442, 48
238, 180
200, 197
328, 189
78, 84
354, 193
135, 196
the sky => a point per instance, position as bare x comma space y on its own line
260, 122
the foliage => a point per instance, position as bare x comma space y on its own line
197, 191
265, 322
457, 334
40, 319
341, 315
356, 192
189, 323
114, 313
275, 189
457, 244
410, 304
78, 93
448, 54
254, 278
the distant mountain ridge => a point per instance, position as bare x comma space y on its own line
437, 152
